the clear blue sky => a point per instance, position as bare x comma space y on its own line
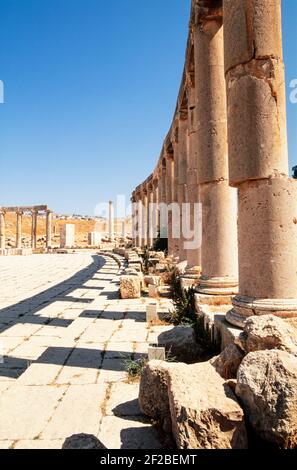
90, 90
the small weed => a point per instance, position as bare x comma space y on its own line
134, 367
184, 313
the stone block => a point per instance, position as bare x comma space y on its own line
130, 287
156, 353
152, 313
67, 236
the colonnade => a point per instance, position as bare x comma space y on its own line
224, 163
20, 211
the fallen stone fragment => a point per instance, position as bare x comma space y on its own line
205, 413
267, 332
153, 390
228, 362
130, 287
181, 343
267, 388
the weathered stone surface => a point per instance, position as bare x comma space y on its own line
83, 441
204, 411
267, 332
181, 343
181, 267
130, 287
152, 280
228, 362
267, 388
153, 390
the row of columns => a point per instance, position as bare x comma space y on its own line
227, 150
19, 219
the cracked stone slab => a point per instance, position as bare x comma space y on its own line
81, 403
20, 403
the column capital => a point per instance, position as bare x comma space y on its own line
207, 10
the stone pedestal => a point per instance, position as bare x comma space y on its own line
191, 277
151, 313
94, 239
67, 236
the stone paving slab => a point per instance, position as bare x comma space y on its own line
119, 433
82, 403
6, 444
65, 334
25, 410
38, 444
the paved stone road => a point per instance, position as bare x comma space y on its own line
64, 334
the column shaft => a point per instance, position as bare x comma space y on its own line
162, 202
34, 230
194, 243
219, 216
144, 218
258, 160
169, 201
111, 222
48, 229
138, 213
150, 235
182, 181
19, 229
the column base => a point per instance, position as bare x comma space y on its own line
245, 307
217, 285
214, 308
191, 277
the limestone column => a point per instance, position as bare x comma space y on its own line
258, 160
133, 219
219, 201
175, 208
156, 222
162, 201
2, 230
194, 243
34, 230
19, 218
182, 158
124, 229
49, 215
144, 217
169, 199
138, 220
111, 221
150, 233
